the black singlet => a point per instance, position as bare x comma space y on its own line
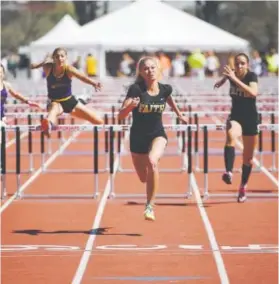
241, 104
147, 116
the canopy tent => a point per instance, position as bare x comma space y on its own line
156, 25
63, 32
59, 34
142, 25
152, 25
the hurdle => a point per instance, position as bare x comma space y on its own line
111, 129
260, 151
206, 195
182, 104
113, 112
95, 171
73, 128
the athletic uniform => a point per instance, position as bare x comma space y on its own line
147, 116
244, 109
4, 95
60, 90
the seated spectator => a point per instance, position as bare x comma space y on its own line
178, 65
256, 63
125, 66
212, 64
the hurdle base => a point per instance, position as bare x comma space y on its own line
21, 172
239, 170
142, 195
72, 171
57, 196
206, 196
181, 170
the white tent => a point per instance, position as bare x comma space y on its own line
152, 25
58, 35
148, 24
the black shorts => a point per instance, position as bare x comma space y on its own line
249, 124
67, 105
141, 144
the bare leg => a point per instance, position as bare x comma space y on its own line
140, 165
156, 152
54, 111
81, 111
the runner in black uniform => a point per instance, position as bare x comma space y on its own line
147, 99
243, 119
59, 83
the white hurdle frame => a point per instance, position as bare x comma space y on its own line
112, 153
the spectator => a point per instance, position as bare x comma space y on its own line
13, 60
178, 65
165, 63
256, 64
125, 66
91, 66
77, 63
197, 62
272, 60
212, 64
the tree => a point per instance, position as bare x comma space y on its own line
255, 21
86, 11
208, 11
106, 7
30, 23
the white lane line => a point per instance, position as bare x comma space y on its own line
210, 233
11, 142
39, 171
96, 224
255, 160
209, 229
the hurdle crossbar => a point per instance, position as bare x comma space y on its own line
112, 129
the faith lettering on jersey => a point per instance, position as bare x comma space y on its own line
235, 91
147, 108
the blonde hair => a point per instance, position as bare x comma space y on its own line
140, 64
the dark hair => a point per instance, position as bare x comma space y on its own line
56, 50
242, 54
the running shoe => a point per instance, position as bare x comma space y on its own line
241, 194
227, 177
149, 213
